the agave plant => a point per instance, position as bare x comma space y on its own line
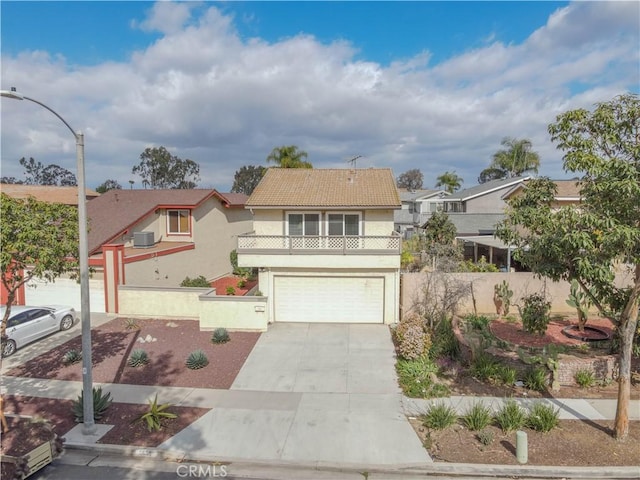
138, 358
156, 413
71, 357
196, 360
100, 404
220, 335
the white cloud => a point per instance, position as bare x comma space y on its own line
206, 94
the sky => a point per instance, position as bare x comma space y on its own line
429, 85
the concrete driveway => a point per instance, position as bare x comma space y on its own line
311, 393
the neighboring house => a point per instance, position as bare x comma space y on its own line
417, 207
567, 193
475, 212
64, 290
325, 246
159, 237
46, 193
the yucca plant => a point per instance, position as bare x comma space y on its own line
478, 417
543, 418
439, 416
138, 358
220, 335
156, 414
196, 360
131, 324
100, 404
71, 357
511, 416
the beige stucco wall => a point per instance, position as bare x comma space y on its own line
522, 284
378, 222
233, 313
268, 222
160, 302
215, 230
312, 260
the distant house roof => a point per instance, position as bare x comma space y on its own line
112, 213
332, 188
483, 189
567, 190
46, 193
410, 195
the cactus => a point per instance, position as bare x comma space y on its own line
579, 300
502, 297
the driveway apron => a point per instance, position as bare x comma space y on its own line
339, 402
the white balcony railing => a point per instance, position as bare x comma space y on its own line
304, 245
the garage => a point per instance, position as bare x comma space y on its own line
329, 299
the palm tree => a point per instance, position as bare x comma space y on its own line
288, 157
513, 160
450, 181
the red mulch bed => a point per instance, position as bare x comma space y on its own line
126, 430
232, 281
113, 343
513, 333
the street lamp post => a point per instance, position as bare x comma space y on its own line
89, 426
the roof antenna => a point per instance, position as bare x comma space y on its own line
353, 161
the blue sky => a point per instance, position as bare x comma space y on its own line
428, 85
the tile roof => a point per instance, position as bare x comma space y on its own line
115, 211
46, 193
334, 188
566, 189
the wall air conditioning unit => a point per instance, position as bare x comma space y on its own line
143, 239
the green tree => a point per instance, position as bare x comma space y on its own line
450, 181
158, 168
590, 241
411, 179
512, 161
439, 241
108, 185
11, 180
247, 178
288, 156
39, 240
38, 174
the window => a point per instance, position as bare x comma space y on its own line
304, 224
344, 224
178, 222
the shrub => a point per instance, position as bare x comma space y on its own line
220, 335
412, 340
478, 417
131, 324
71, 357
507, 374
585, 378
485, 368
478, 322
196, 360
535, 314
439, 417
485, 437
542, 417
138, 358
536, 379
511, 416
199, 281
257, 293
241, 283
444, 341
416, 378
156, 414
100, 404
231, 290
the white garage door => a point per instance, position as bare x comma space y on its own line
64, 292
329, 299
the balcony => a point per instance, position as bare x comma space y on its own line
319, 245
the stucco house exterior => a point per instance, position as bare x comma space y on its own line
417, 207
324, 243
157, 238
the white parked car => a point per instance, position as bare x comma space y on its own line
28, 324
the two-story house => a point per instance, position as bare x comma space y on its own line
417, 207
325, 246
156, 238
